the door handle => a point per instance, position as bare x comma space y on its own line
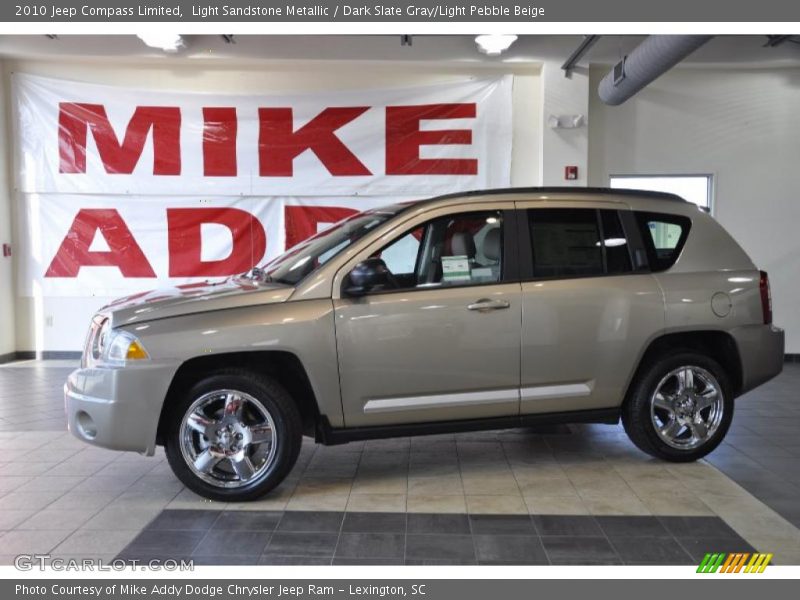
487, 304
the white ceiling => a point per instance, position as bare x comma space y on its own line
731, 51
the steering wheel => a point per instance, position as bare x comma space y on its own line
391, 280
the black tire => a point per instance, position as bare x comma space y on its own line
636, 415
288, 433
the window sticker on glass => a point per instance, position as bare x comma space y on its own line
482, 273
455, 268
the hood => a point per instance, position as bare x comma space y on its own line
194, 298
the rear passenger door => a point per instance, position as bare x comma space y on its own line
589, 305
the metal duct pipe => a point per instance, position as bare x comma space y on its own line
648, 61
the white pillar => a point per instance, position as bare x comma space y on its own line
8, 343
563, 96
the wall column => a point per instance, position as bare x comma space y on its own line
561, 147
8, 343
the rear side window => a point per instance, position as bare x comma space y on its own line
566, 242
582, 242
618, 256
664, 236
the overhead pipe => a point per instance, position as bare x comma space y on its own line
577, 54
648, 61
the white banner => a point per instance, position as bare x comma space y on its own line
112, 246
122, 190
92, 139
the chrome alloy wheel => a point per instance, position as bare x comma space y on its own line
228, 439
686, 407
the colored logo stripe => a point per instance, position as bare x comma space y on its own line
734, 562
758, 563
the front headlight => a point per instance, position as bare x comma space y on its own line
95, 341
123, 346
109, 347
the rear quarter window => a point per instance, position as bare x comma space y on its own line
664, 236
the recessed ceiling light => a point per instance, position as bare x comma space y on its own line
495, 44
168, 42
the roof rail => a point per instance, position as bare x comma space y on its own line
564, 190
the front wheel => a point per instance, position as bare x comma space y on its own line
234, 436
679, 408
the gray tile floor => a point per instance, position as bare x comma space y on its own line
762, 450
32, 396
330, 537
61, 496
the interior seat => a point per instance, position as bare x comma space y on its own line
463, 244
492, 251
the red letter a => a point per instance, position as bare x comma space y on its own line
74, 251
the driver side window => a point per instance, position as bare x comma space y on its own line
401, 255
455, 250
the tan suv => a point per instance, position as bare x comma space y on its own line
475, 311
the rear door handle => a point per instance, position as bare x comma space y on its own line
487, 304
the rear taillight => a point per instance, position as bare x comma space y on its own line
766, 297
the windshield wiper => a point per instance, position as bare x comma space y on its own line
258, 274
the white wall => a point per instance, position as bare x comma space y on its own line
563, 96
59, 324
7, 317
742, 126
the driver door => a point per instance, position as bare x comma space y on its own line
442, 342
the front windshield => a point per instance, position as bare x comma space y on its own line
307, 256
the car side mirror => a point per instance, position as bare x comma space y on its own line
366, 276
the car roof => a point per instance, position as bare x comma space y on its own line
574, 193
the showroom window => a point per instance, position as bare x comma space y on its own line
697, 189
456, 250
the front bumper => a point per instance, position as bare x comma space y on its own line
118, 408
761, 349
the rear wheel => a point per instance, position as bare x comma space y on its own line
234, 436
680, 407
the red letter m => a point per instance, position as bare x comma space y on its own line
74, 119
